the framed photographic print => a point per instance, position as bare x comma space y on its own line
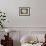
24, 11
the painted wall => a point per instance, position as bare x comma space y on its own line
34, 22
18, 35
37, 19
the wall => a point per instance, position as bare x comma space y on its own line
34, 22
37, 19
17, 35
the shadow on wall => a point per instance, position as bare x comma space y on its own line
16, 43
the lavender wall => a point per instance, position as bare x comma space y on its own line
34, 22
37, 19
17, 35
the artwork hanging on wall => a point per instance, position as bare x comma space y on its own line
24, 11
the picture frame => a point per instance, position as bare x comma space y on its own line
24, 11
